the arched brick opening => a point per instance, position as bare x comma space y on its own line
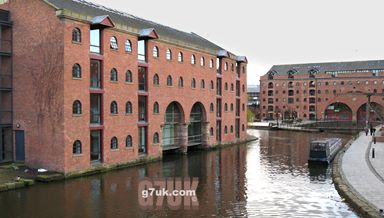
373, 116
338, 111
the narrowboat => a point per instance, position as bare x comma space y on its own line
324, 151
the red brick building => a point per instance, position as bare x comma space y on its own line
323, 91
92, 86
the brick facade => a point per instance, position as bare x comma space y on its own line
45, 90
325, 91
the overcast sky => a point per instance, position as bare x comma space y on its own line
273, 32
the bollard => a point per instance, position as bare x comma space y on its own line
374, 140
373, 152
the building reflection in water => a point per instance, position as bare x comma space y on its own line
265, 177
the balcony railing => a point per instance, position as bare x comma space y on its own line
195, 139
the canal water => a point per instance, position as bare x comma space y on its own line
264, 178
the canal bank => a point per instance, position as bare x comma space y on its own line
356, 177
17, 175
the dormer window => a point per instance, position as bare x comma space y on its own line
312, 73
271, 74
291, 74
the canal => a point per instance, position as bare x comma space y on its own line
268, 177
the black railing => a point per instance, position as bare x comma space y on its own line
6, 46
195, 139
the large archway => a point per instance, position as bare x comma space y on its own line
376, 112
196, 127
173, 118
338, 111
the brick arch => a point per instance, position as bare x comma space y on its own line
338, 111
179, 107
203, 111
361, 111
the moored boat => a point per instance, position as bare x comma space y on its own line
324, 151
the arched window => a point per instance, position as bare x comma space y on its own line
243, 88
193, 59
76, 35
128, 141
226, 86
156, 108
156, 138
114, 143
114, 109
226, 66
211, 107
128, 46
225, 107
180, 57
232, 87
243, 127
76, 148
232, 67
202, 84
128, 108
202, 61
113, 43
231, 129
193, 83
168, 54
76, 107
211, 131
76, 71
181, 82
128, 77
169, 80
155, 52
211, 63
225, 130
114, 75
231, 106
156, 80
212, 86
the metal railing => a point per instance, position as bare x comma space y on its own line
5, 81
6, 46
195, 139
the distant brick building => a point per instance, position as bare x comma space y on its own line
92, 85
323, 91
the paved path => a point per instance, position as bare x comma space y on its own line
360, 172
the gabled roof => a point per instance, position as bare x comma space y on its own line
103, 20
328, 67
89, 9
149, 33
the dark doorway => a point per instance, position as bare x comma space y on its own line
20, 146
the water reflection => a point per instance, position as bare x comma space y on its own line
269, 177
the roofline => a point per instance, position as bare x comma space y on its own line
68, 14
336, 62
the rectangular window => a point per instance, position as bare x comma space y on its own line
218, 108
143, 140
218, 86
95, 109
95, 41
143, 108
141, 50
142, 79
95, 74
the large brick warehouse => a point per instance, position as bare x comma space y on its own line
83, 85
324, 91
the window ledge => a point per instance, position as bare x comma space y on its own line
76, 43
76, 78
128, 52
112, 81
76, 115
114, 115
128, 114
128, 83
129, 148
156, 113
114, 49
115, 149
77, 155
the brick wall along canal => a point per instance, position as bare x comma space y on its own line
264, 178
